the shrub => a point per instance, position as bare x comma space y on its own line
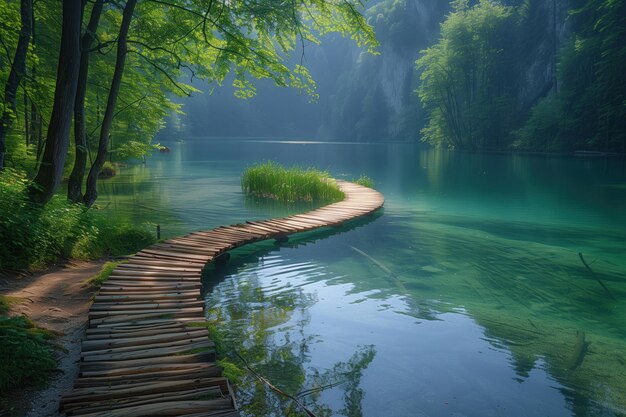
33, 236
108, 170
26, 353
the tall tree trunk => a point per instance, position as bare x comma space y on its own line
35, 117
57, 140
17, 71
91, 193
74, 189
26, 120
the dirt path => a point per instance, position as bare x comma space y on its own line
57, 299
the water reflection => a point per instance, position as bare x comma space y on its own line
468, 297
559, 344
263, 320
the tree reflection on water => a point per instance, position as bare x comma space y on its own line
263, 327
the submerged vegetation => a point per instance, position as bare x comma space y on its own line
272, 180
34, 236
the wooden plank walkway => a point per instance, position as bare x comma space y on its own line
142, 355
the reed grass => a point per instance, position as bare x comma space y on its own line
365, 181
272, 180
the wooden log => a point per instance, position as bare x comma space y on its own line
151, 322
138, 332
192, 295
156, 344
108, 343
148, 353
99, 366
150, 369
156, 315
203, 394
143, 305
77, 408
143, 388
137, 268
180, 312
142, 259
155, 273
117, 391
170, 408
155, 376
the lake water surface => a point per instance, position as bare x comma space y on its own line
466, 296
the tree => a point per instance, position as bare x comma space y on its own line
466, 77
75, 182
91, 193
211, 40
18, 68
167, 40
589, 110
57, 139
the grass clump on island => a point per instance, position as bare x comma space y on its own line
365, 181
289, 185
34, 236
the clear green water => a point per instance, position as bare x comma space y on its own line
465, 297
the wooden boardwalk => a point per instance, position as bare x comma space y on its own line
143, 355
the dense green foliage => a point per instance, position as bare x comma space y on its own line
33, 235
292, 184
168, 41
589, 109
26, 354
472, 80
465, 80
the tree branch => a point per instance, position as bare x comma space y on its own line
169, 77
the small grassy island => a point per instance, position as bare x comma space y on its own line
272, 180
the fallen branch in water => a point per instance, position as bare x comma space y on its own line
273, 388
582, 259
392, 277
319, 389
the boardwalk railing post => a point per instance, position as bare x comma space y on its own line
158, 231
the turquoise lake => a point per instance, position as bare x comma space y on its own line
467, 295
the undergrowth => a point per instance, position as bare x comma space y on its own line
34, 236
5, 303
98, 279
26, 352
275, 181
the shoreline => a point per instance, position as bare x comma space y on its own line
56, 299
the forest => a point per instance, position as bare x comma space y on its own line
494, 131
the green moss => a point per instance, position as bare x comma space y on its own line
272, 180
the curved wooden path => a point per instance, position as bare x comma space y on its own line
145, 354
